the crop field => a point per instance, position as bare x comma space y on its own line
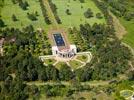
9, 9
77, 10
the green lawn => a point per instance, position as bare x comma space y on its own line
74, 64
75, 19
82, 58
129, 25
129, 37
59, 65
9, 9
77, 16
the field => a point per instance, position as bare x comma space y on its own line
77, 12
9, 9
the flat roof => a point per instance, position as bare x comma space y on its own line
59, 40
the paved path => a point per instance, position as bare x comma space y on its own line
88, 54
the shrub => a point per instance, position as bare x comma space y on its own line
88, 13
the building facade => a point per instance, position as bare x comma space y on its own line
64, 53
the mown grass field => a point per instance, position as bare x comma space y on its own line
83, 58
9, 9
129, 37
74, 64
77, 13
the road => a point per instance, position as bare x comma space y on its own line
92, 83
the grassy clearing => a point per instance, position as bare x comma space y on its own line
129, 25
74, 64
58, 65
83, 58
9, 9
129, 37
77, 17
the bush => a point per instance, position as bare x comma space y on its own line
2, 24
128, 16
14, 18
99, 16
32, 16
68, 12
88, 13
82, 1
23, 5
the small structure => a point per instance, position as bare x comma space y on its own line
132, 98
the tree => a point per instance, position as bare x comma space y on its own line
42, 75
88, 13
128, 16
65, 73
131, 75
68, 12
14, 18
2, 24
47, 20
82, 1
32, 16
23, 5
99, 16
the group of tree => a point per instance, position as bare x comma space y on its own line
108, 62
54, 9
121, 8
13, 89
99, 16
82, 1
23, 4
44, 12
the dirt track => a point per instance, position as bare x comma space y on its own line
119, 28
